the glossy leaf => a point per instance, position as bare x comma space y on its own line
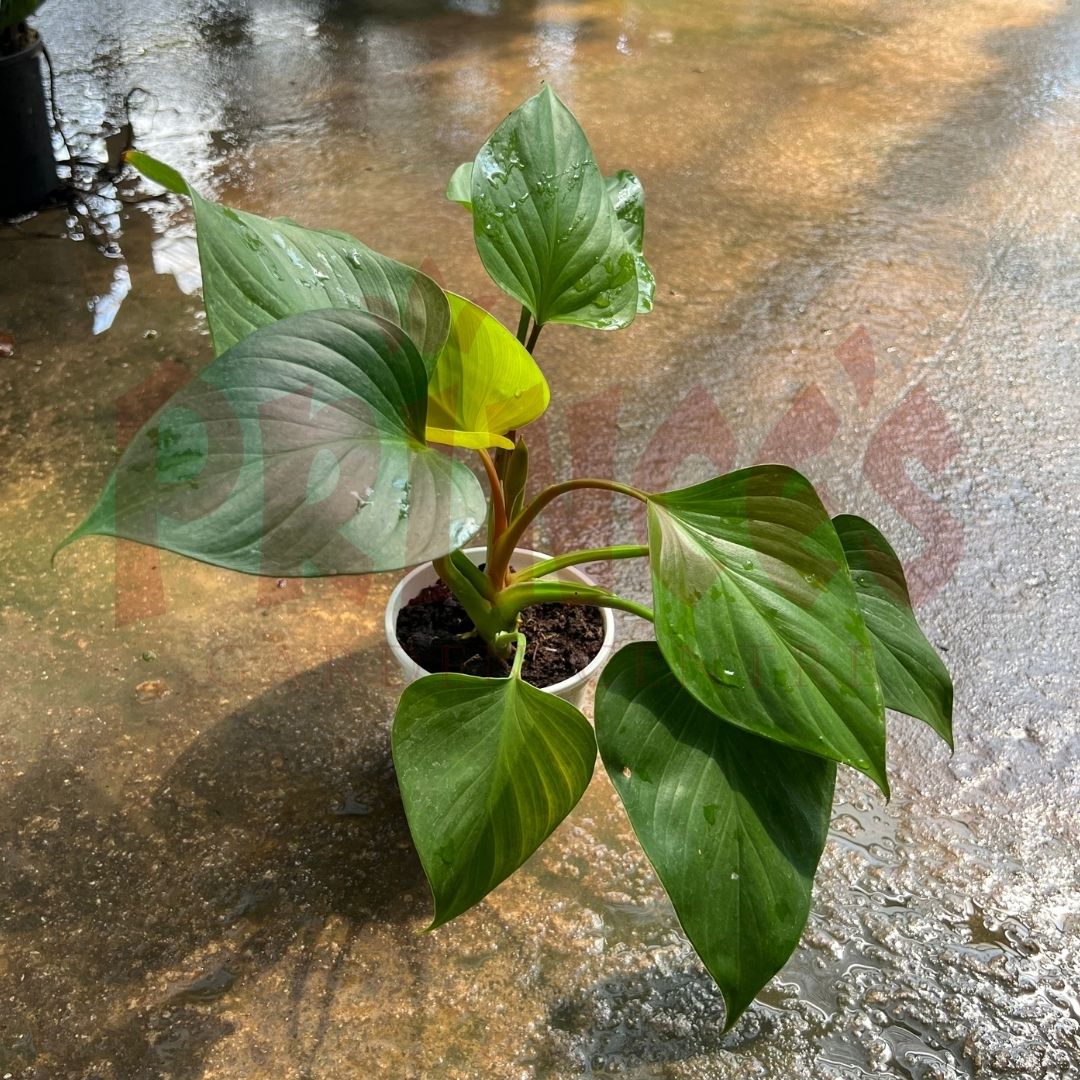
257, 270
733, 824
628, 198
757, 614
13, 12
298, 452
485, 382
487, 768
913, 679
545, 227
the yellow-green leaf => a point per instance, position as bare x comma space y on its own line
459, 189
485, 382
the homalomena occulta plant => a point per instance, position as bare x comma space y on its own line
314, 444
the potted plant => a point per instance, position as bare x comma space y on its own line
314, 445
29, 173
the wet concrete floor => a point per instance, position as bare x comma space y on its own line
863, 222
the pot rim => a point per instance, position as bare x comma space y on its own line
25, 52
576, 680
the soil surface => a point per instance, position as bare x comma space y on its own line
561, 639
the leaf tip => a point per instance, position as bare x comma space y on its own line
882, 782
875, 764
83, 529
734, 1008
157, 171
60, 547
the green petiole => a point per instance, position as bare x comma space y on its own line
511, 601
487, 621
574, 558
475, 576
504, 547
518, 640
523, 325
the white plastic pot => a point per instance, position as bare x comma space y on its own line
421, 577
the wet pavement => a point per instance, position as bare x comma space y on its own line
862, 219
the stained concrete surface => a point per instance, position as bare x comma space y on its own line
863, 221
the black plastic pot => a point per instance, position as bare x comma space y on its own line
28, 176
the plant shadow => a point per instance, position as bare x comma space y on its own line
656, 1018
143, 909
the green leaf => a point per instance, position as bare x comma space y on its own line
484, 384
257, 270
487, 769
733, 824
913, 679
628, 198
298, 452
13, 12
545, 228
516, 478
758, 617
459, 189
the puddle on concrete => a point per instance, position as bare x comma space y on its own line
862, 218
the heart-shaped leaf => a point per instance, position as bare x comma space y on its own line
734, 824
487, 769
913, 679
545, 227
298, 452
628, 198
257, 270
484, 384
757, 615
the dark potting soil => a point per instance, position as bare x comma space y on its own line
561, 639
